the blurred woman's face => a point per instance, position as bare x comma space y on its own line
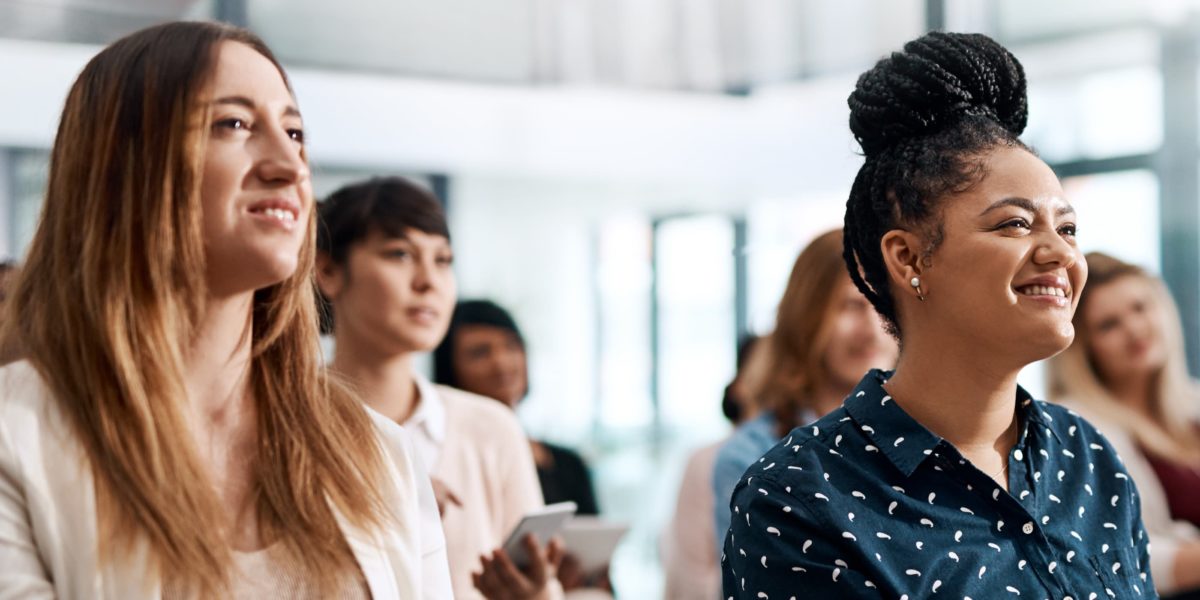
1127, 329
490, 361
1008, 272
857, 341
255, 190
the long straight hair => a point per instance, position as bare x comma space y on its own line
1169, 431
110, 298
794, 361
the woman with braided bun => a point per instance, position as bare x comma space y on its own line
945, 476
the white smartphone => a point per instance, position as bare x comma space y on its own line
543, 523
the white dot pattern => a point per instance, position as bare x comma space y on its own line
898, 512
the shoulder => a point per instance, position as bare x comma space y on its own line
803, 457
749, 441
394, 437
26, 408
479, 416
21, 386
563, 455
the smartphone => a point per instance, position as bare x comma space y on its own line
543, 523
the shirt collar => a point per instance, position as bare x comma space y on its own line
904, 441
430, 416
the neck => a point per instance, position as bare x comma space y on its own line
386, 383
217, 362
968, 401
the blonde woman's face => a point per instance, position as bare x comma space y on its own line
1126, 328
255, 190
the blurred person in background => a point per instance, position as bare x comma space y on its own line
484, 353
687, 547
1126, 373
826, 337
385, 270
172, 433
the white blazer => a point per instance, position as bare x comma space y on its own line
48, 528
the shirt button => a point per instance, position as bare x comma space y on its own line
1027, 528
1017, 454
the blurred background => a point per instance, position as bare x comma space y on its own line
633, 178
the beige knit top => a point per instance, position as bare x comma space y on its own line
267, 573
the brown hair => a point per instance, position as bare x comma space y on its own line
793, 364
1169, 431
111, 295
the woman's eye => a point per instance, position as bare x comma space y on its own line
233, 123
1067, 230
297, 135
1015, 224
445, 261
396, 254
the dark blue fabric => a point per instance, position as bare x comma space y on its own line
868, 503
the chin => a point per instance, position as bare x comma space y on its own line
277, 271
1052, 345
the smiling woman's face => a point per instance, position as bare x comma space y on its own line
255, 188
1008, 272
1127, 329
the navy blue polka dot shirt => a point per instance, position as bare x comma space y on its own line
868, 503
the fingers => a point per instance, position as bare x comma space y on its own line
511, 576
536, 569
555, 551
487, 582
502, 580
443, 495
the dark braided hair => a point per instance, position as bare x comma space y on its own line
926, 119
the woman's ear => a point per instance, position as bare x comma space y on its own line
330, 276
902, 251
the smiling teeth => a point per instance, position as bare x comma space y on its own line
1041, 290
279, 213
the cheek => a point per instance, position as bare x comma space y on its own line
1106, 349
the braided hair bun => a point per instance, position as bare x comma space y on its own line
936, 80
926, 119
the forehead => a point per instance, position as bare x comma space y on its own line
240, 70
412, 236
480, 332
1119, 291
1011, 172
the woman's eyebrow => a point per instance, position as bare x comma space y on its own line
288, 111
1026, 204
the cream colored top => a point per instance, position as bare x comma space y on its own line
688, 545
48, 525
265, 574
478, 450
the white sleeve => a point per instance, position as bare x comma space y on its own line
22, 575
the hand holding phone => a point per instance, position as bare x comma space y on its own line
543, 523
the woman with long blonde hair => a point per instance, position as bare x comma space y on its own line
1126, 372
826, 336
170, 431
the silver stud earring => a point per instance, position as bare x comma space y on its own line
915, 282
